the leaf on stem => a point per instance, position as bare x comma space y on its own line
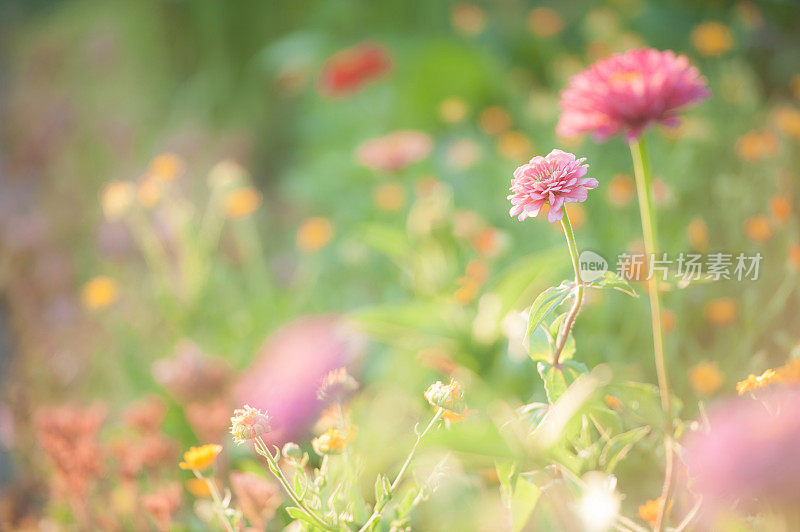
547, 301
612, 280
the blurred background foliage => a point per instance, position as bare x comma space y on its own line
424, 258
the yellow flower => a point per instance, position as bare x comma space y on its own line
649, 510
514, 146
314, 234
99, 293
167, 166
242, 202
789, 373
200, 458
389, 197
117, 196
712, 38
333, 440
453, 110
753, 382
706, 378
198, 487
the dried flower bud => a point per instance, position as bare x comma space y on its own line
337, 385
292, 451
248, 423
447, 396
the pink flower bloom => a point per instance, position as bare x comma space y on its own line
394, 151
284, 378
749, 456
553, 179
627, 92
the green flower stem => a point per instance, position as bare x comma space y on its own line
219, 507
644, 188
272, 463
376, 513
576, 306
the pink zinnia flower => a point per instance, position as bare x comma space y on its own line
627, 92
553, 179
394, 151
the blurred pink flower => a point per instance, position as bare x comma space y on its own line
553, 179
285, 376
627, 92
750, 452
394, 151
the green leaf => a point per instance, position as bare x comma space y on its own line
540, 345
547, 301
381, 490
618, 447
523, 502
301, 515
612, 280
558, 378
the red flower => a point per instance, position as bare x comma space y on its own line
350, 69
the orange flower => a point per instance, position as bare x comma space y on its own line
794, 256
712, 38
242, 202
314, 234
781, 208
698, 234
494, 120
545, 22
612, 402
514, 146
389, 197
200, 458
488, 242
149, 191
787, 120
758, 229
649, 510
620, 190
668, 320
333, 440
722, 311
755, 145
706, 378
99, 292
167, 166
468, 19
